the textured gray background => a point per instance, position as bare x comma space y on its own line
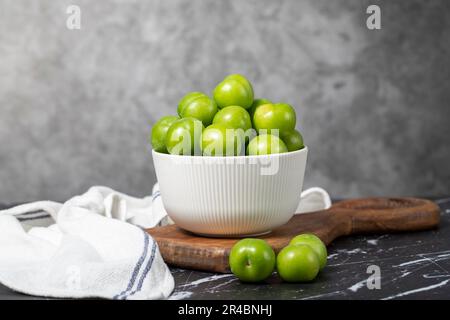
76, 107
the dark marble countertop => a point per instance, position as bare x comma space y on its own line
412, 265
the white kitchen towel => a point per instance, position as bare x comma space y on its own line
84, 248
93, 245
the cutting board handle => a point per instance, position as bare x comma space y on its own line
370, 215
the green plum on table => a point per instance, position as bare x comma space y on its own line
297, 263
315, 243
197, 105
266, 144
233, 117
279, 116
218, 140
183, 137
234, 90
252, 260
159, 132
293, 140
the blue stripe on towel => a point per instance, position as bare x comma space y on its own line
148, 267
156, 195
136, 269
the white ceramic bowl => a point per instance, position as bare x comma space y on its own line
230, 196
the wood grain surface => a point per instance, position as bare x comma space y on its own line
371, 215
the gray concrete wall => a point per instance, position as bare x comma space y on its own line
76, 107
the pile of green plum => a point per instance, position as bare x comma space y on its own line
253, 260
229, 124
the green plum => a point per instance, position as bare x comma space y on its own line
159, 132
252, 260
266, 144
297, 263
293, 140
256, 104
197, 105
233, 117
234, 90
271, 116
315, 243
218, 140
183, 137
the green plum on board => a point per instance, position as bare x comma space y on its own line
234, 90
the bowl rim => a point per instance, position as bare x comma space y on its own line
284, 154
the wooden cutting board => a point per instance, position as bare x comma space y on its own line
372, 215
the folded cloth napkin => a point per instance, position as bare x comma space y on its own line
93, 245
